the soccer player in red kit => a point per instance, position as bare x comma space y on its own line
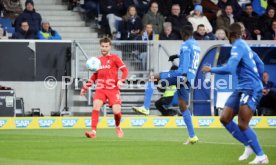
108, 87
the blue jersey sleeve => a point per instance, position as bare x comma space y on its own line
232, 64
184, 60
259, 64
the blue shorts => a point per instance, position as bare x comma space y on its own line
183, 89
244, 97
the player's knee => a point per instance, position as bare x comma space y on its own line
242, 126
224, 120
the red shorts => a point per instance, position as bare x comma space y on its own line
112, 95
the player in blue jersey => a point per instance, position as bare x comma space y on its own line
183, 78
249, 68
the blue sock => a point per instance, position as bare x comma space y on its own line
148, 94
253, 141
188, 121
233, 128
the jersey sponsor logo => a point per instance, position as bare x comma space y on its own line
2, 123
180, 123
46, 123
105, 67
87, 122
160, 122
138, 122
206, 122
111, 122
271, 122
23, 123
254, 121
69, 123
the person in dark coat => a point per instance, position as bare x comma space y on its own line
250, 20
29, 14
24, 32
271, 34
177, 20
132, 24
167, 33
234, 3
265, 21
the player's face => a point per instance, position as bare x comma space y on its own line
105, 48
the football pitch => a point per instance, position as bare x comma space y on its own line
138, 147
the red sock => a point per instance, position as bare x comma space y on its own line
117, 118
94, 119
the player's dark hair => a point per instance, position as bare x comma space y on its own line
187, 32
105, 40
235, 30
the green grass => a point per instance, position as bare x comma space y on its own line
139, 147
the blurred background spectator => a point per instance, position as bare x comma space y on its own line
235, 6
132, 24
47, 33
220, 34
267, 103
265, 21
30, 15
177, 20
112, 12
271, 34
197, 18
25, 32
259, 6
167, 33
226, 18
12, 9
154, 17
201, 34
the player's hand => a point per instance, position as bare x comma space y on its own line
83, 92
120, 83
206, 69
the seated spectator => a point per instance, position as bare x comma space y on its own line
265, 21
47, 33
112, 11
235, 6
185, 6
250, 20
12, 9
177, 20
132, 24
226, 18
271, 34
139, 5
267, 103
197, 18
245, 33
154, 17
168, 34
201, 34
24, 32
3, 34
29, 14
220, 34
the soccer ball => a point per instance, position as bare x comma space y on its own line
93, 64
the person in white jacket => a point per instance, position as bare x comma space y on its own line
196, 18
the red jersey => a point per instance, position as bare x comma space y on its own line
107, 74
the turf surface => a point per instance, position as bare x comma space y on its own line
139, 147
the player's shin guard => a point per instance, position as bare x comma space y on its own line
188, 121
117, 118
253, 141
148, 94
233, 128
94, 119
